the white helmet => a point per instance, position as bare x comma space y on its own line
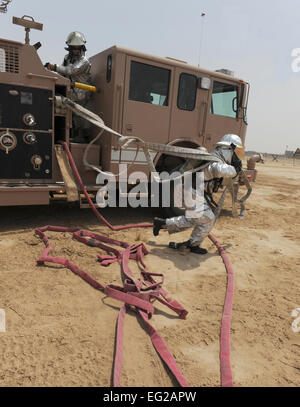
227, 142
229, 139
76, 39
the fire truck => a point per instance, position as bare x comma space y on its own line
162, 101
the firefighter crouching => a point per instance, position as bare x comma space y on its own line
231, 151
76, 67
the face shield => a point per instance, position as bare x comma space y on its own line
224, 152
227, 154
239, 152
75, 50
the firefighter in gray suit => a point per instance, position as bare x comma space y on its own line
77, 68
230, 151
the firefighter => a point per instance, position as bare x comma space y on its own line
77, 68
231, 151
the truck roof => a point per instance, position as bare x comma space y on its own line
10, 41
174, 62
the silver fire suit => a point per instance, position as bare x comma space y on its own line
203, 219
77, 69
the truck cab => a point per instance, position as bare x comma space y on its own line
166, 101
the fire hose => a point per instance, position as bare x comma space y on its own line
139, 294
94, 209
124, 141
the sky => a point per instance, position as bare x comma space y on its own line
253, 38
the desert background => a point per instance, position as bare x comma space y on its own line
60, 331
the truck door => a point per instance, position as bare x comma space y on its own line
222, 117
188, 107
146, 112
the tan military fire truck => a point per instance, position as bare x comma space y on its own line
159, 100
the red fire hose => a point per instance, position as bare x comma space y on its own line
140, 293
91, 203
226, 374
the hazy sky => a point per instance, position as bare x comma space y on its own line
253, 38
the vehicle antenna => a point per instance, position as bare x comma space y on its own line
201, 36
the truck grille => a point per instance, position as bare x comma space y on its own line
9, 58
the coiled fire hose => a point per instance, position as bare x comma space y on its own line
131, 292
138, 294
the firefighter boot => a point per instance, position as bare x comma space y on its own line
157, 225
193, 249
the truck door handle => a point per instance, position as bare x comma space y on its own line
202, 116
119, 109
128, 128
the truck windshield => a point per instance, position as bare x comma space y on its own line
223, 99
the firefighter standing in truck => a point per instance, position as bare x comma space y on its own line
77, 68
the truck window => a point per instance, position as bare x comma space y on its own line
187, 90
2, 60
9, 58
222, 100
108, 68
149, 84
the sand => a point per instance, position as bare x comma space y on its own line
60, 331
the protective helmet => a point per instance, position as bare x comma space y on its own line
232, 140
76, 39
229, 139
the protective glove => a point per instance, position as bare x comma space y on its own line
51, 67
238, 166
236, 163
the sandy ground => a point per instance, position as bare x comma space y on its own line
60, 331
